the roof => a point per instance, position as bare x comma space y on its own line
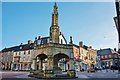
105, 51
43, 40
85, 47
64, 38
19, 48
76, 45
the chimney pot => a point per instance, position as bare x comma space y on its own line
29, 41
81, 44
39, 37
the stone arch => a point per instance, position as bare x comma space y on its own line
41, 61
60, 55
42, 56
64, 59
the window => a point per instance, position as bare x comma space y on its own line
71, 55
23, 58
19, 53
24, 52
109, 56
115, 56
29, 52
20, 47
28, 58
102, 56
38, 42
105, 56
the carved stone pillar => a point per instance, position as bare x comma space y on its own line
34, 64
50, 63
40, 64
71, 64
55, 62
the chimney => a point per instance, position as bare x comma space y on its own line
29, 41
71, 41
21, 43
39, 37
81, 44
90, 47
60, 33
114, 49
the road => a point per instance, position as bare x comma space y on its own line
100, 75
11, 74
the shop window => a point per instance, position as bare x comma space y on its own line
105, 56
102, 56
109, 56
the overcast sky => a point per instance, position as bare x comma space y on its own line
90, 22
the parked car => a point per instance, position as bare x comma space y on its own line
91, 70
82, 69
114, 67
98, 68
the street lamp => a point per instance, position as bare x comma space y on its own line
117, 3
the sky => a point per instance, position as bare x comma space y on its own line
90, 22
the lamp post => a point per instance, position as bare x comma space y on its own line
117, 3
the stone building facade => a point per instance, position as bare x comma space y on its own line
6, 58
17, 57
22, 57
108, 57
84, 56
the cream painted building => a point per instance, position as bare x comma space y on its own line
85, 57
22, 58
6, 58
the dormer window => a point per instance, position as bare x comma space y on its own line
20, 47
38, 42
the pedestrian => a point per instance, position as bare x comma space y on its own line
113, 69
106, 69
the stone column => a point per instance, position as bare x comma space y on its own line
71, 64
55, 62
34, 64
50, 63
11, 66
20, 67
40, 64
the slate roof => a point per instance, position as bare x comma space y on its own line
105, 51
85, 47
19, 48
43, 40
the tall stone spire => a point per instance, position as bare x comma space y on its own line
55, 15
54, 29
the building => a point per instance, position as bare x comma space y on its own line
1, 63
84, 56
76, 57
84, 64
108, 57
17, 57
6, 59
92, 56
22, 56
